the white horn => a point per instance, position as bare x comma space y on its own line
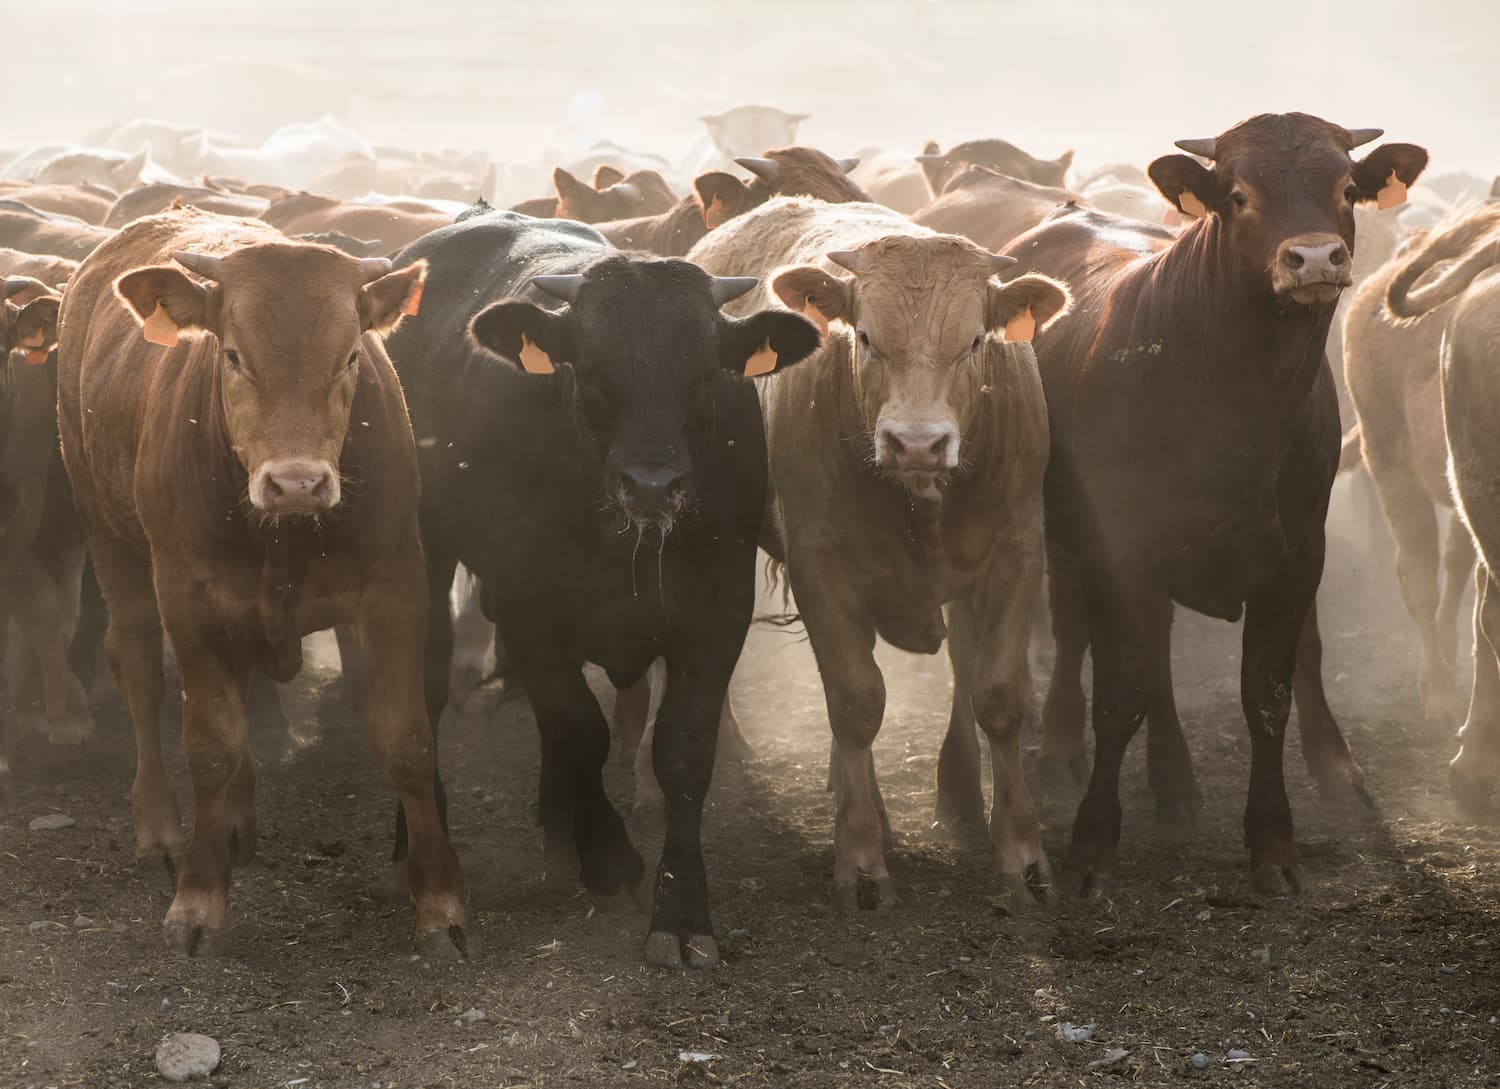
203, 264
727, 288
559, 287
764, 169
1204, 149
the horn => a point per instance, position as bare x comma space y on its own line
14, 285
848, 164
373, 268
559, 287
726, 288
203, 264
764, 169
926, 158
852, 260
1363, 136
999, 263
1204, 149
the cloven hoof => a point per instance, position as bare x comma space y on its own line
665, 950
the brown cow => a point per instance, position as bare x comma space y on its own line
394, 225
639, 193
1391, 367
25, 228
85, 201
990, 207
147, 200
209, 471
906, 470
1000, 155
41, 542
52, 271
1194, 443
718, 198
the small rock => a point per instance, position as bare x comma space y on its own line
1199, 1061
1110, 1057
45, 924
884, 1030
51, 822
166, 1005
473, 1014
1074, 1034
82, 922
1263, 955
629, 1064
1235, 1055
1443, 968
724, 1019
184, 1055
1204, 916
1441, 1009
696, 1056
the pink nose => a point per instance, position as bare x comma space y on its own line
917, 446
295, 486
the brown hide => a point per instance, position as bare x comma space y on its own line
989, 207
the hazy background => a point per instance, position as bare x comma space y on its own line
521, 78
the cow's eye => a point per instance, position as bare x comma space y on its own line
232, 357
864, 339
978, 343
1239, 198
1351, 192
353, 360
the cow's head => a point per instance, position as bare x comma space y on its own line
613, 196
648, 348
1283, 188
922, 312
289, 320
780, 172
745, 130
29, 320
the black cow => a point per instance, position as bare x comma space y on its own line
601, 467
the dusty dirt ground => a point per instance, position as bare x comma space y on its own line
1384, 975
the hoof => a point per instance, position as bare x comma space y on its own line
664, 950
71, 731
1345, 788
1178, 812
866, 894
449, 943
1097, 885
193, 939
1027, 891
1061, 773
560, 867
1272, 880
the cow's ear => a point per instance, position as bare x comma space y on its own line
166, 301
817, 295
606, 175
573, 196
524, 335
766, 342
384, 302
1384, 174
720, 197
1025, 305
36, 328
1186, 183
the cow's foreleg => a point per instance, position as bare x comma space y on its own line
392, 628
1324, 749
960, 802
437, 650
1476, 769
1275, 620
1064, 759
47, 619
1121, 696
683, 744
215, 740
1169, 764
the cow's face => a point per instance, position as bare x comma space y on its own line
28, 318
749, 130
920, 312
642, 193
289, 321
647, 347
1283, 187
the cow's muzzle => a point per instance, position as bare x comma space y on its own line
294, 487
1312, 269
651, 493
921, 455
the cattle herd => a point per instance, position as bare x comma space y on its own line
257, 391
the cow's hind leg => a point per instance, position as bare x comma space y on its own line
1474, 772
436, 656
1064, 757
960, 801
1324, 749
1169, 764
47, 618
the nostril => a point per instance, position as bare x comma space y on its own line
1294, 259
321, 489
273, 489
1338, 257
939, 446
894, 442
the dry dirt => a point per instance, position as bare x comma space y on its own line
1384, 975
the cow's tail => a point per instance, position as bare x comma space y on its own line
1467, 242
1351, 453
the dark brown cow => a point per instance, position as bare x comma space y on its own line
1195, 437
52, 271
718, 198
25, 228
147, 200
546, 207
998, 155
639, 193
395, 226
41, 543
209, 472
990, 207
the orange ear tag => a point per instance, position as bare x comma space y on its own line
1392, 193
534, 360
762, 362
814, 315
160, 329
1021, 327
1191, 205
36, 356
413, 301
